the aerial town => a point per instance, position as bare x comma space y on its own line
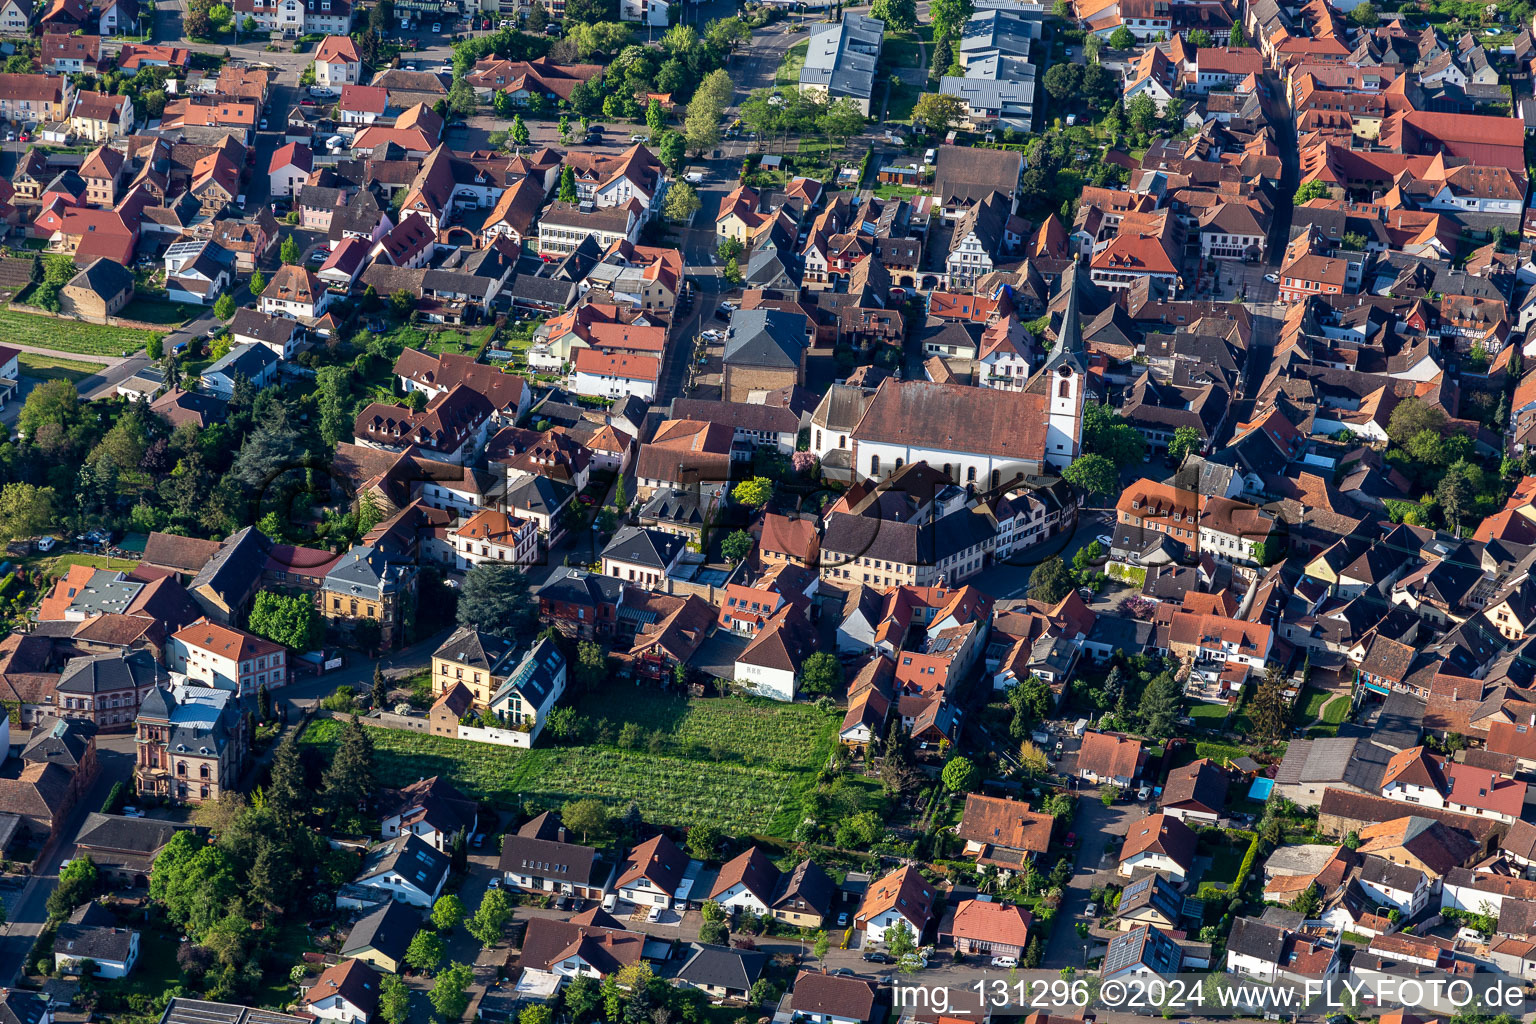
767, 511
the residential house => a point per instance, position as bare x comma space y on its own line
653, 873
227, 658
902, 898
542, 856
192, 742
1159, 842
97, 292
406, 869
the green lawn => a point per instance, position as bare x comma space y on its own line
464, 343
1207, 714
744, 765
901, 51
1337, 712
789, 68
40, 367
903, 99
63, 335
1310, 704
153, 311
62, 563
1220, 752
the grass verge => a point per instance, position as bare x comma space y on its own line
41, 367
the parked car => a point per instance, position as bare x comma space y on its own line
654, 915
842, 919
1272, 278
437, 26
637, 137
1105, 539
1005, 961
1071, 840
610, 901
842, 972
878, 958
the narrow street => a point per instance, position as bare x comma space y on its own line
26, 908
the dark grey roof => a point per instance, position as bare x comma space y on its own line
1153, 891
388, 929
539, 849
105, 277
469, 646
234, 571
275, 330
119, 834
199, 1011
542, 290
64, 741
581, 587
809, 882
1395, 876
722, 967
768, 419
765, 337
539, 494
536, 675
18, 1007
104, 673
1252, 937
92, 933
651, 548
248, 361
364, 569
841, 58
412, 858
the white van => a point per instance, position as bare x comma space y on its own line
610, 901
930, 156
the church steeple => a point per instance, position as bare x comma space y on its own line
1069, 335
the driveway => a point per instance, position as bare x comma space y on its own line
1094, 824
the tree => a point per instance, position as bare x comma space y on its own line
898, 15
1160, 705
196, 24
1237, 37
753, 493
290, 253
1366, 15
264, 702
821, 673
567, 193
939, 112
961, 775
582, 997
1031, 701
701, 125
587, 816
898, 940
1185, 440
943, 57
224, 306
591, 665
425, 952
1108, 795
380, 692
1050, 581
949, 17
1093, 475
25, 509
673, 150
491, 917
682, 203
537, 1013
402, 302
447, 913
1121, 39
450, 993
1268, 710
288, 619
154, 347
655, 116
1199, 38
519, 132
1107, 433
1311, 190
496, 599
349, 778
737, 546
394, 997
1309, 902
288, 793
77, 884
714, 933
1064, 81
1455, 494
703, 841
732, 272
1412, 417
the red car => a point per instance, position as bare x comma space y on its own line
1071, 840
586, 499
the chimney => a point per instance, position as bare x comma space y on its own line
561, 834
